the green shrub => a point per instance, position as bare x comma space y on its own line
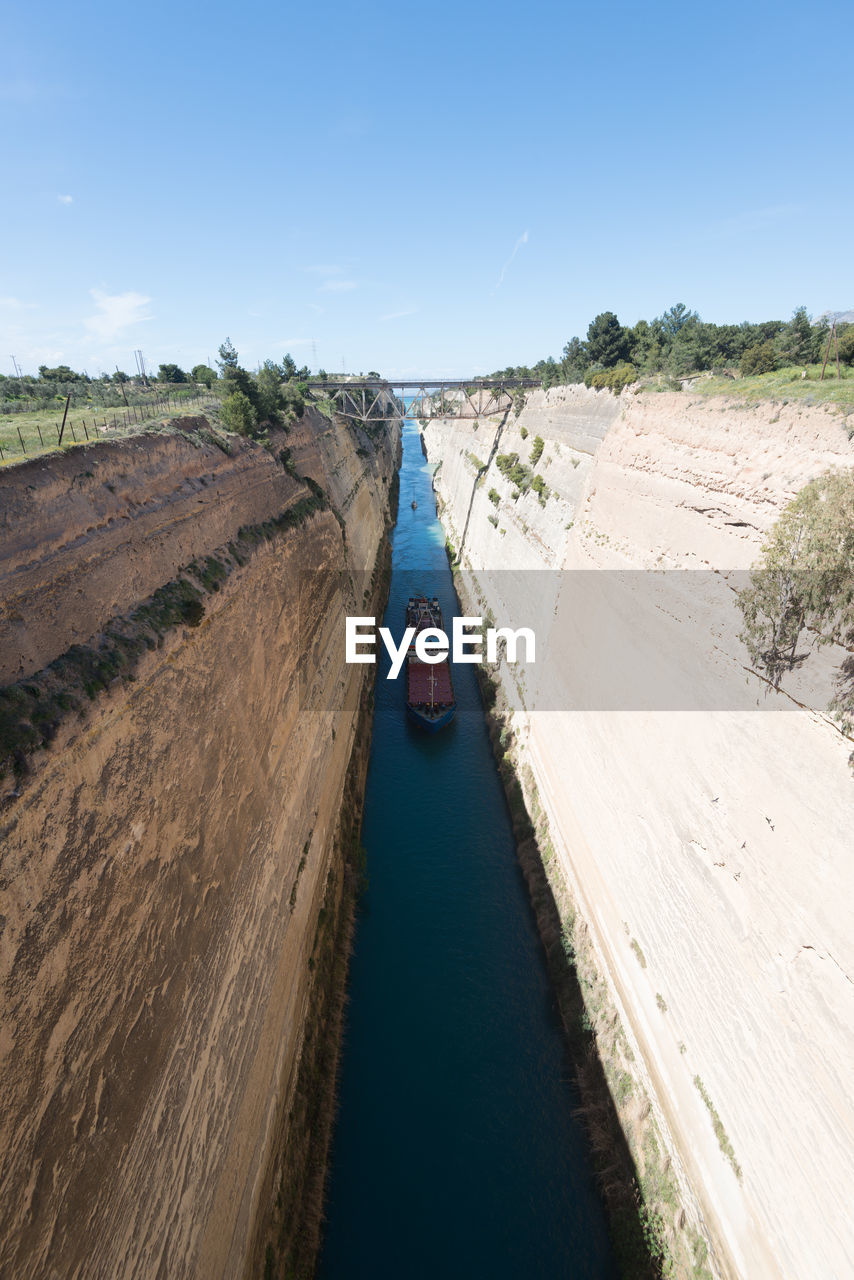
717, 1124
622, 375
761, 358
540, 488
846, 346
537, 450
238, 413
523, 432
494, 497
515, 471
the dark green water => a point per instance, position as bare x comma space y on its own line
456, 1153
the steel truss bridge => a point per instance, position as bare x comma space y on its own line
375, 400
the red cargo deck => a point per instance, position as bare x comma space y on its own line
420, 688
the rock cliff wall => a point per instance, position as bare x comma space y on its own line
708, 851
163, 862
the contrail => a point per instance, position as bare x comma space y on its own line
523, 239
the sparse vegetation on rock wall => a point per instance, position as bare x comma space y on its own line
802, 589
31, 710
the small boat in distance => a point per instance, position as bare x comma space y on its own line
414, 505
430, 700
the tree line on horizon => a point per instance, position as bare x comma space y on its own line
678, 344
272, 390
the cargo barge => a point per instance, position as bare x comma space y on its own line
430, 700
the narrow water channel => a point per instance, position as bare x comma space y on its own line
456, 1153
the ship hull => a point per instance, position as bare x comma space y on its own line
431, 724
430, 700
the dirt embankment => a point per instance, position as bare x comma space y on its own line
163, 867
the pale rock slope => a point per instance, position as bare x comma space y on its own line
715, 843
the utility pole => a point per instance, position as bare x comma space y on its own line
16, 367
140, 364
64, 416
832, 336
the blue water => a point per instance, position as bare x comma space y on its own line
456, 1153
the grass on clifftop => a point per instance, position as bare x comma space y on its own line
39, 430
782, 385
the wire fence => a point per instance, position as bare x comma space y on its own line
41, 431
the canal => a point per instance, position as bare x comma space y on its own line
456, 1152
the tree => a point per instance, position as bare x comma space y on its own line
690, 348
227, 357
549, 371
607, 340
171, 373
676, 318
119, 377
846, 345
575, 360
289, 367
729, 343
235, 377
268, 380
238, 413
761, 358
203, 373
797, 342
293, 398
61, 373
646, 345
805, 579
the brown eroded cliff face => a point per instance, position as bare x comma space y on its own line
163, 863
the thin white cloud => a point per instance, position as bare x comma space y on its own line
523, 239
338, 286
398, 315
116, 312
316, 308
324, 269
65, 199
15, 304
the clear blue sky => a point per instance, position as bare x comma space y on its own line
416, 188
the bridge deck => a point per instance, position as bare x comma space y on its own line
382, 400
